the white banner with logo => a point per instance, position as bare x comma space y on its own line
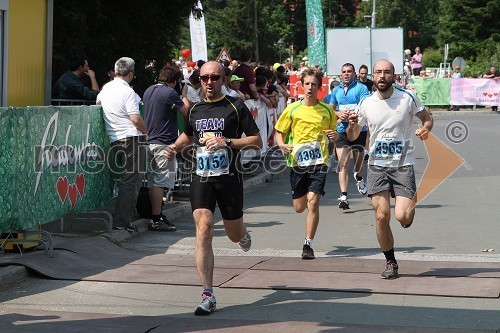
475, 92
198, 37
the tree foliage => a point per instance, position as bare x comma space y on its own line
472, 30
154, 30
339, 13
416, 17
105, 30
231, 24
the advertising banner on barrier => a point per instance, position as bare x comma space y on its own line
431, 91
7, 167
57, 164
475, 92
259, 112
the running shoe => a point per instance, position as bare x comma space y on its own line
154, 225
391, 270
246, 242
307, 252
157, 225
343, 202
360, 184
207, 304
131, 228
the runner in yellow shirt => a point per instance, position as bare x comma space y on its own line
305, 128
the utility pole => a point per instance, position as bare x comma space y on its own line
255, 26
374, 14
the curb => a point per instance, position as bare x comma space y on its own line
12, 274
463, 112
171, 213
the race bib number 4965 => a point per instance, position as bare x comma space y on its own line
389, 146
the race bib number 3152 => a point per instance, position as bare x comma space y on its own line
211, 163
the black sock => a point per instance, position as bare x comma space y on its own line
344, 193
156, 218
358, 177
389, 255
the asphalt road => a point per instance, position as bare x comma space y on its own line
455, 222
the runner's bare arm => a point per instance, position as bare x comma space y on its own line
250, 141
427, 122
353, 129
182, 141
285, 148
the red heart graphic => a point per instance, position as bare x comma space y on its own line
490, 95
72, 195
62, 188
495, 94
80, 184
485, 93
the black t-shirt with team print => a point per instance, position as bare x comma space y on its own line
226, 117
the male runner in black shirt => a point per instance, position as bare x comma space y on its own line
215, 126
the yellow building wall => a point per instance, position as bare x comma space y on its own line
26, 52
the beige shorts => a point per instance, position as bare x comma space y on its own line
161, 172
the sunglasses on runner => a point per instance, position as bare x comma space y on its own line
205, 78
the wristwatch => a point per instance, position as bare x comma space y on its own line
228, 142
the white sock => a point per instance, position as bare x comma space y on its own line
308, 242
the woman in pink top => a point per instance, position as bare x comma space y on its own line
416, 62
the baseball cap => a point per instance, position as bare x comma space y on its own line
236, 78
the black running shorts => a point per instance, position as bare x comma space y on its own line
358, 144
310, 179
228, 196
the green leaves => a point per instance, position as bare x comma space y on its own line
104, 30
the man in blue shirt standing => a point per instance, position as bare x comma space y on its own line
344, 100
161, 103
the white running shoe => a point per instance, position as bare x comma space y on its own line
246, 242
343, 202
360, 184
207, 304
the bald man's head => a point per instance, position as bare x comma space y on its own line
212, 79
383, 75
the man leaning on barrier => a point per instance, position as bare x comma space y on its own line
125, 127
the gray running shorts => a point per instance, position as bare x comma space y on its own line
399, 181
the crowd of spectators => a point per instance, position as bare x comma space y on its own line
246, 78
